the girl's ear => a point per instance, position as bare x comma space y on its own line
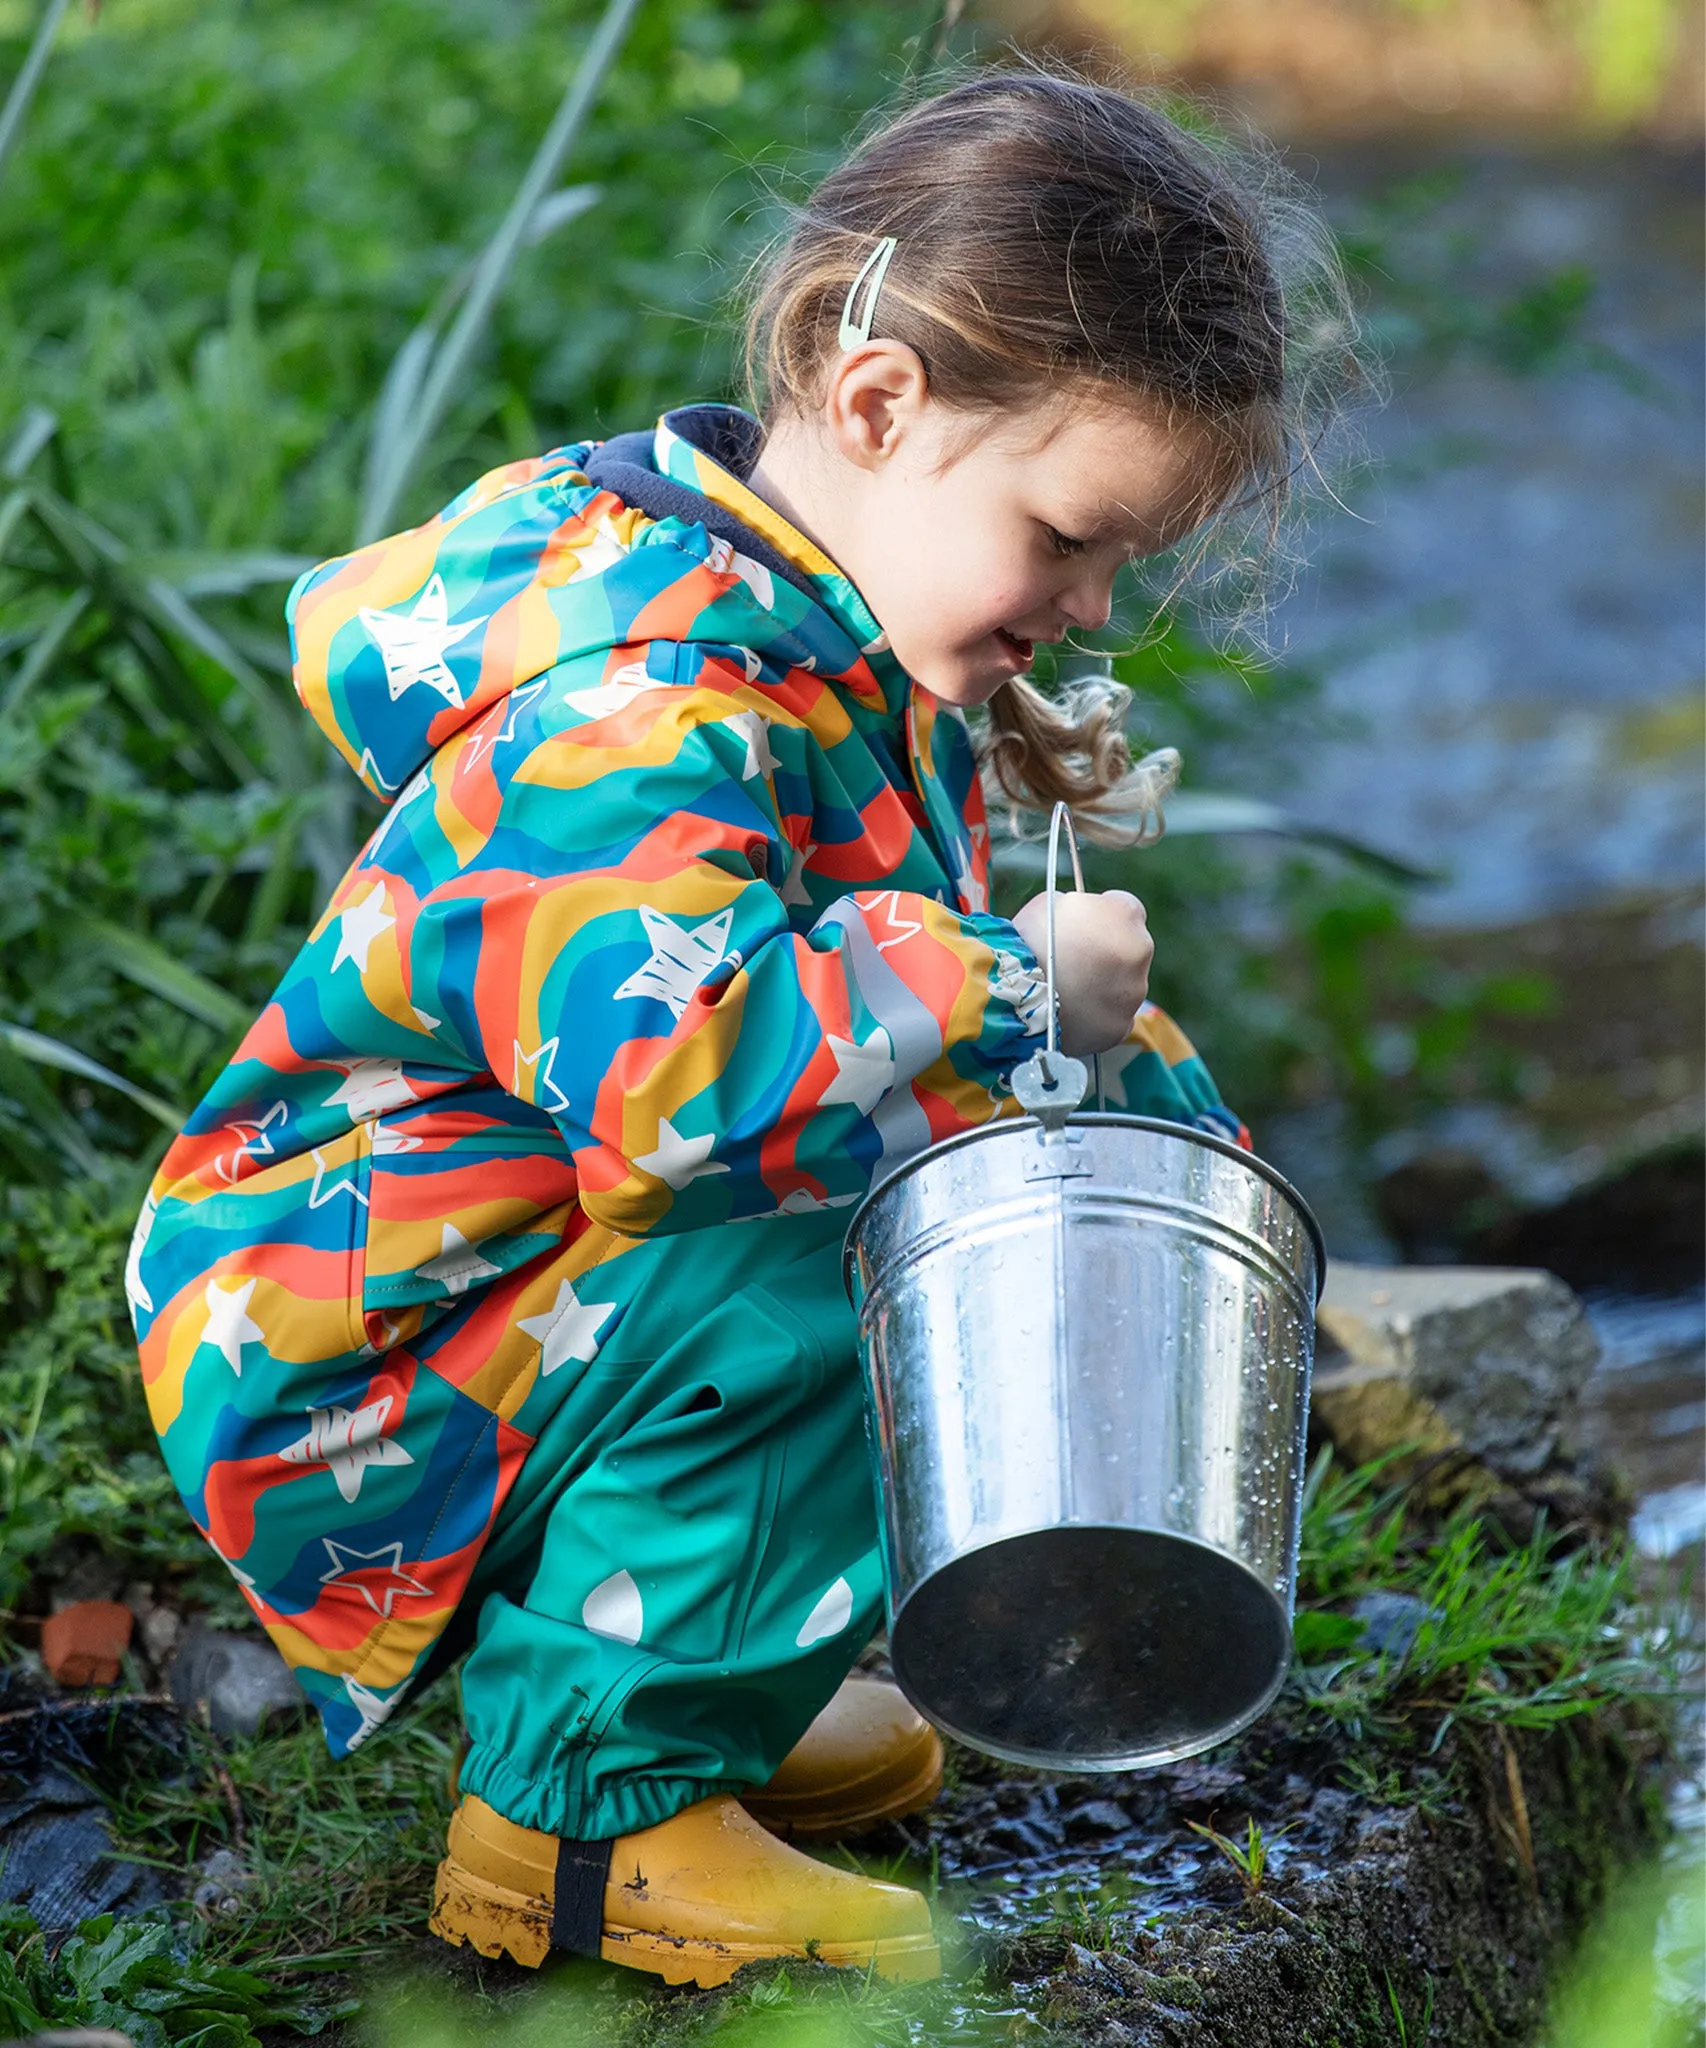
875, 400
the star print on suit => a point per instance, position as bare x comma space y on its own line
677, 922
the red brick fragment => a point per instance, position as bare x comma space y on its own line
82, 1644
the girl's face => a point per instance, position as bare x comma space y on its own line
973, 543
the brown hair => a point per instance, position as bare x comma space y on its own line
1055, 233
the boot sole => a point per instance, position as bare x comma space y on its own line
496, 1921
829, 1823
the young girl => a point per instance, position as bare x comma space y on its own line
490, 1305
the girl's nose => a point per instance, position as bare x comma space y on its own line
1089, 603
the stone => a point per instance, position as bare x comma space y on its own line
1391, 1622
1487, 1362
225, 1878
240, 1682
83, 1644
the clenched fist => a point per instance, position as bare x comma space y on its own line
1102, 951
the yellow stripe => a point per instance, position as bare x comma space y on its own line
788, 541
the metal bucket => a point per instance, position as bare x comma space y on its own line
1087, 1341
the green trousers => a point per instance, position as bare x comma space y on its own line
687, 1566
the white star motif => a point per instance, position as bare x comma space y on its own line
392, 1331
243, 1578
802, 1202
678, 1160
368, 769
134, 1291
359, 926
568, 1329
755, 731
458, 1264
417, 786
1025, 988
413, 644
756, 577
486, 737
256, 1146
681, 959
229, 1326
347, 1441
355, 1566
974, 895
597, 552
387, 1142
902, 927
371, 1087
793, 889
371, 1706
1114, 1064
320, 1194
864, 1074
622, 688
542, 1080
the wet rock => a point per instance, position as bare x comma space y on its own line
225, 1878
1391, 1622
84, 1643
1639, 1226
1095, 1818
240, 1682
1431, 1202
1485, 1362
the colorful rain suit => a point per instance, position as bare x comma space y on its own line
515, 1218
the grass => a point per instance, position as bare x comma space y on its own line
334, 1861
222, 225
1249, 1857
1516, 1636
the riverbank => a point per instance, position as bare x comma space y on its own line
1472, 1742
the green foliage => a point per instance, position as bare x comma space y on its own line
799, 2005
1523, 1637
1248, 1857
337, 1857
139, 1977
1402, 2033
1639, 1980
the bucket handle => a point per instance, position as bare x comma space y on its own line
1051, 1084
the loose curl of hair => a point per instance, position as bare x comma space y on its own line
1058, 237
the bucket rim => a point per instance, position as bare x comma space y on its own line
1162, 1126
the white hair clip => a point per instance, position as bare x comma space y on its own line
856, 329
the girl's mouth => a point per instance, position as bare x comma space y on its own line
1017, 654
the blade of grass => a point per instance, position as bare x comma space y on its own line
29, 77
31, 435
441, 378
36, 1046
150, 966
48, 645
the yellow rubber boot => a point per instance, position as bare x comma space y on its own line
869, 1756
690, 1900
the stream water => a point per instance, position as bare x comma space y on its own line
1508, 629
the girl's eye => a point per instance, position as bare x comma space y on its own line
1063, 543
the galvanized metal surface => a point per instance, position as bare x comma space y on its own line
1088, 1353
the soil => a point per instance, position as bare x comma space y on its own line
1456, 1886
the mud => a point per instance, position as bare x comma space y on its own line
1395, 1884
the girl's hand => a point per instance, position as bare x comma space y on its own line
1102, 951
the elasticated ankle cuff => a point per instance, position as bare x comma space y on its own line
622, 1808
